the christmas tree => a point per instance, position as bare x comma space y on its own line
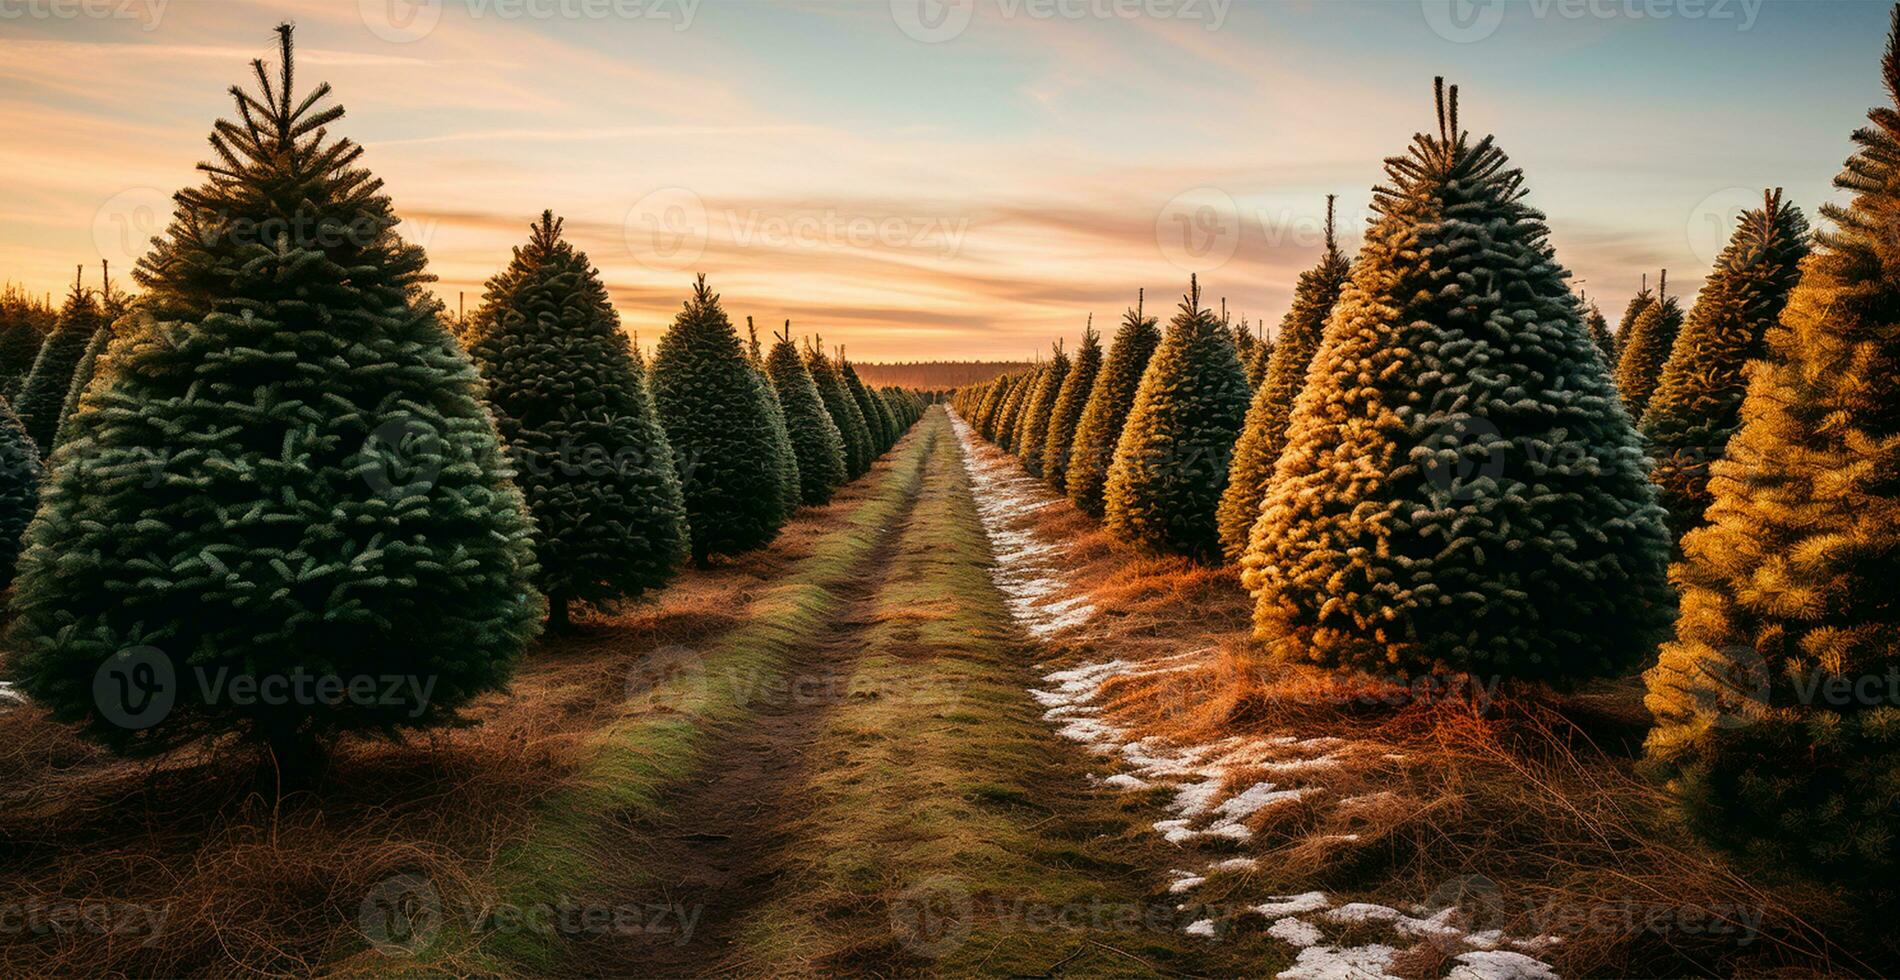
984, 416
1646, 346
815, 439
572, 406
1600, 332
1010, 416
874, 421
1264, 433
1643, 300
20, 477
719, 424
24, 323
43, 394
288, 473
113, 306
1171, 464
1259, 362
1100, 429
1460, 491
784, 458
1039, 409
1698, 402
1775, 713
1067, 413
844, 410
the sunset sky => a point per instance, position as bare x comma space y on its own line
964, 179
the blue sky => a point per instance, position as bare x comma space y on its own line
974, 186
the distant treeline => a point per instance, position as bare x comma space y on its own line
936, 375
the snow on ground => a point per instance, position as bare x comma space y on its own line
1218, 787
10, 698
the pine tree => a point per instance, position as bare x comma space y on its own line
289, 471
1067, 414
20, 476
844, 410
815, 439
1600, 333
1100, 429
784, 458
1698, 402
1040, 408
43, 394
1244, 345
1776, 720
985, 418
1260, 362
574, 411
873, 419
23, 327
1264, 433
1459, 490
1009, 418
113, 305
719, 424
1646, 346
1643, 300
1171, 464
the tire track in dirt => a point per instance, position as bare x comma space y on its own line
724, 835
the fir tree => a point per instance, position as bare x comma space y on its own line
288, 472
844, 410
573, 408
874, 421
24, 324
1775, 716
1600, 333
1264, 434
815, 439
1100, 429
1698, 402
1040, 408
43, 394
1243, 344
985, 417
20, 476
113, 305
1067, 414
1260, 362
1646, 346
1460, 491
784, 458
1171, 463
719, 424
1009, 418
1643, 300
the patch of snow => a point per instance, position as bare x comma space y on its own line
1280, 905
10, 698
1500, 965
1123, 781
1337, 963
1296, 932
1184, 880
1200, 927
1234, 864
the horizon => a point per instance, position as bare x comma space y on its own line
822, 171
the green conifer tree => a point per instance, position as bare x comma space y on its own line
1171, 463
1599, 328
815, 438
1040, 408
1646, 347
719, 424
1459, 490
1067, 414
288, 472
1264, 434
985, 418
874, 422
572, 406
20, 476
1260, 362
784, 458
43, 394
1643, 300
1698, 402
845, 414
1009, 418
23, 320
1100, 429
1776, 721
114, 305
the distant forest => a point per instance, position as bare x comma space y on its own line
935, 375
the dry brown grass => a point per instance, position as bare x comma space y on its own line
249, 885
1521, 805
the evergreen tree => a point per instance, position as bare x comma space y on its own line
784, 458
1171, 463
1600, 333
1643, 300
815, 439
985, 418
1243, 344
1100, 429
1698, 402
1264, 434
574, 411
43, 394
873, 419
719, 424
1259, 361
20, 476
1040, 407
113, 306
1460, 491
1646, 346
1067, 414
289, 471
1775, 714
24, 324
844, 410
1009, 418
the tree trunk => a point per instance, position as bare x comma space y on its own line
559, 622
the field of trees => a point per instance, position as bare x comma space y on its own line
1442, 632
